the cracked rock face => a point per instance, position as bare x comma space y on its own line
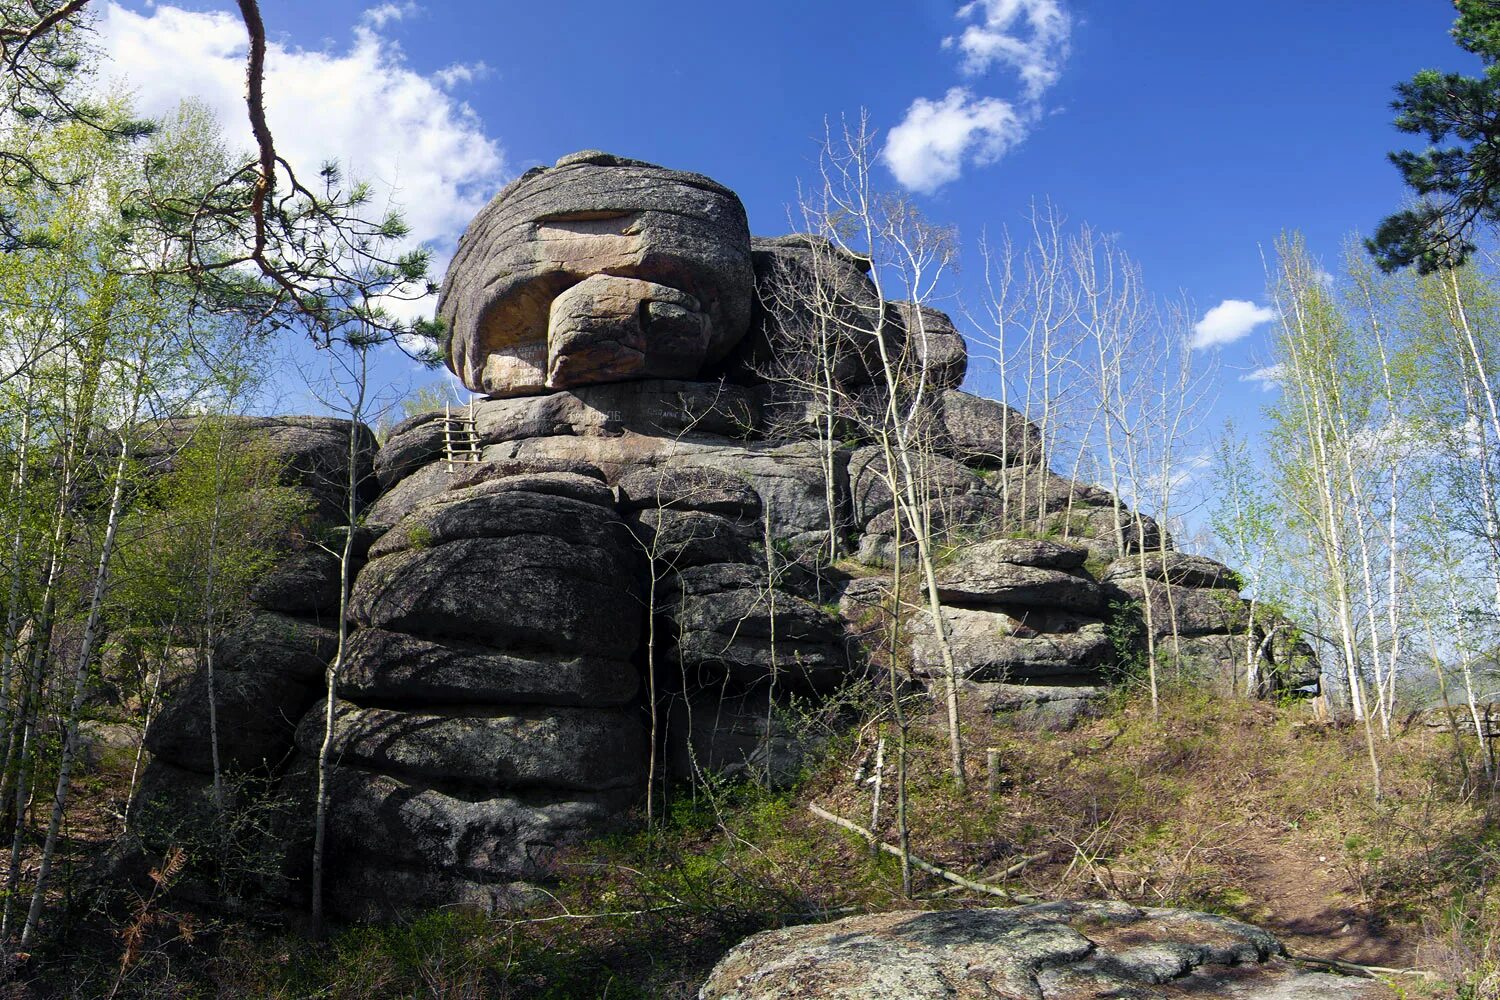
597, 269
1050, 951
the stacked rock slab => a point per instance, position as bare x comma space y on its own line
650, 460
1025, 626
737, 640
268, 667
487, 714
1192, 605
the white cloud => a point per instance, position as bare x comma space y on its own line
451, 76
364, 106
1035, 54
1267, 378
929, 147
937, 139
1230, 320
383, 14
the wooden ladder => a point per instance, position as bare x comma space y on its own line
460, 439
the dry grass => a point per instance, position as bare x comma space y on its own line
1247, 809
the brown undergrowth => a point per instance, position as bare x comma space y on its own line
1247, 809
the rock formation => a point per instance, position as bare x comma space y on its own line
638, 480
1048, 951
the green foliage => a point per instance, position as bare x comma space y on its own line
1126, 626
1458, 184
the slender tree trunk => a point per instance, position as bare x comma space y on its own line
80, 689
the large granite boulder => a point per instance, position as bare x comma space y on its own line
303, 582
1184, 611
729, 621
1014, 644
739, 735
404, 843
932, 343
439, 477
509, 568
257, 713
1178, 568
394, 668
1049, 951
411, 444
568, 749
815, 308
597, 269
1019, 571
984, 432
707, 489
649, 406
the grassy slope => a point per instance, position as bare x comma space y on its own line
1246, 809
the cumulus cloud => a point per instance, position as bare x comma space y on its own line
383, 14
929, 147
936, 140
1035, 53
1268, 377
1230, 320
421, 149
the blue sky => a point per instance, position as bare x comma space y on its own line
1195, 130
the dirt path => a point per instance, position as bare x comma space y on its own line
1312, 903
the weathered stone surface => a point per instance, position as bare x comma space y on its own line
791, 483
1177, 568
523, 593
577, 749
257, 715
312, 451
651, 406
376, 820
393, 668
807, 291
1038, 574
272, 643
725, 616
303, 582
1295, 664
711, 490
1071, 510
714, 731
1188, 611
1041, 553
559, 504
680, 242
866, 606
678, 539
411, 444
437, 478
960, 504
1035, 706
952, 521
1054, 951
986, 433
1012, 644
870, 493
1220, 660
932, 341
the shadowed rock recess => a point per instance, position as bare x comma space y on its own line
639, 476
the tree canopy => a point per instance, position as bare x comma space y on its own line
1457, 178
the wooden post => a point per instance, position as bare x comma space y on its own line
875, 780
992, 763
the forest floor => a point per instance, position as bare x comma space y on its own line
1252, 810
